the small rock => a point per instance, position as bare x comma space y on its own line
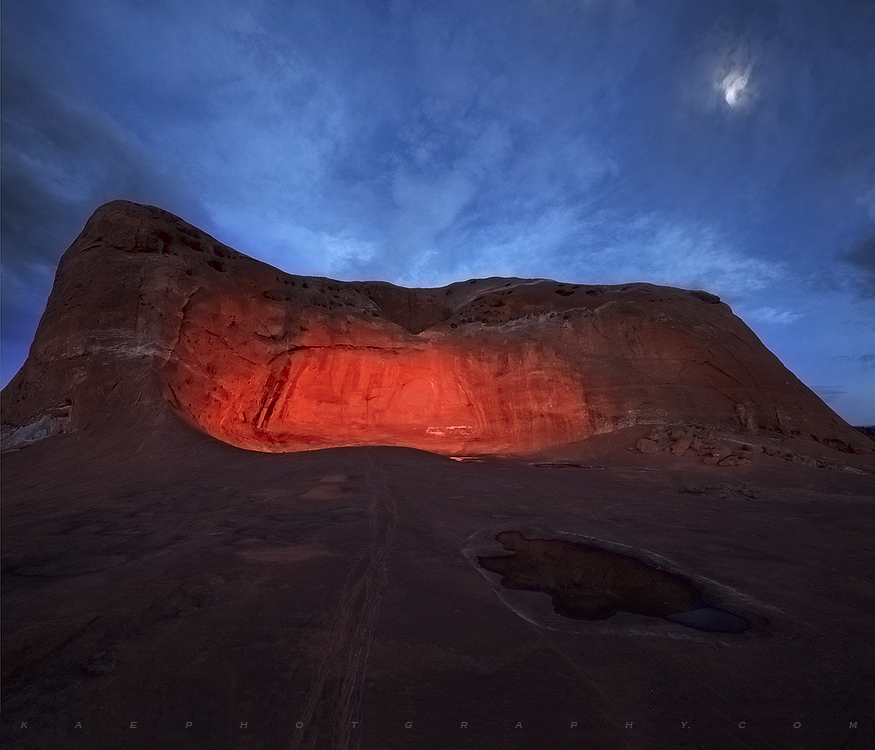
680, 446
646, 445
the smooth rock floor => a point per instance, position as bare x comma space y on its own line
180, 593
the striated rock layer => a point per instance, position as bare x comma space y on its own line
148, 311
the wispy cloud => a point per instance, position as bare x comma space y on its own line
829, 391
671, 250
861, 258
868, 200
867, 360
773, 316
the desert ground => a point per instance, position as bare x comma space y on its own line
167, 590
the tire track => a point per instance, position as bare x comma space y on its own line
335, 699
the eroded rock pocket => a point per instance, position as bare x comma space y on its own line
589, 583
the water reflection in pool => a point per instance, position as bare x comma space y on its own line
589, 583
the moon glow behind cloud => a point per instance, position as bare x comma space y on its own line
733, 85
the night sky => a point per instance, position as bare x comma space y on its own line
725, 145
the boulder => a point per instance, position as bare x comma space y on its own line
645, 445
679, 447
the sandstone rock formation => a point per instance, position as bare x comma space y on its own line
149, 315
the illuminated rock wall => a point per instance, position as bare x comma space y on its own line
147, 310
311, 380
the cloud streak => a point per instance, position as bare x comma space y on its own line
861, 258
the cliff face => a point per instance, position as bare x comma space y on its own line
148, 313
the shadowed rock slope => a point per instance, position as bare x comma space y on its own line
148, 315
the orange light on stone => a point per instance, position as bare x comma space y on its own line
433, 395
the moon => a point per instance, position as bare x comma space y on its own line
733, 85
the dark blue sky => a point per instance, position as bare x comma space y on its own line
727, 145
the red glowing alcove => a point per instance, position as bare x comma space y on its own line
364, 383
